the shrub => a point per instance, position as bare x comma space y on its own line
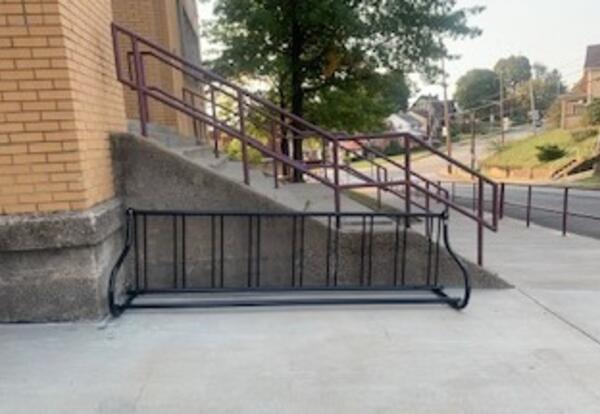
550, 152
592, 114
393, 148
234, 152
584, 134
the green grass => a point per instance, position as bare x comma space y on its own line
523, 154
590, 182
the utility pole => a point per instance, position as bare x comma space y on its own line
533, 113
502, 107
447, 116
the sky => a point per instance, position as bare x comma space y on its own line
552, 32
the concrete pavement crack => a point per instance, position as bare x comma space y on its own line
561, 318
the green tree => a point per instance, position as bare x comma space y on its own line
316, 53
547, 86
477, 88
514, 70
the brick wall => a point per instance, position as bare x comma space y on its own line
59, 100
156, 20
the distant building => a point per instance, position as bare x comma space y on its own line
429, 110
407, 122
573, 104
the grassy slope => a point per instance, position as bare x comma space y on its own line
524, 153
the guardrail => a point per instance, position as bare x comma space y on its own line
563, 195
259, 124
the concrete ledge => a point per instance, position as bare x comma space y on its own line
59, 230
55, 267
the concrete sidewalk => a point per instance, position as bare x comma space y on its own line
504, 354
533, 349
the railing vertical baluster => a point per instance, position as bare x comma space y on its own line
565, 210
337, 251
502, 195
437, 251
215, 117
480, 224
407, 178
494, 206
528, 211
453, 188
474, 196
274, 148
427, 200
336, 177
140, 79
241, 113
428, 232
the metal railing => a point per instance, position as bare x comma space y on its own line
271, 253
261, 125
525, 207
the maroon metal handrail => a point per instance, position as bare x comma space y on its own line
247, 106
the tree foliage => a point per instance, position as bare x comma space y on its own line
514, 70
316, 54
477, 88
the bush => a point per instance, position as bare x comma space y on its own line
592, 114
234, 152
550, 152
584, 134
393, 148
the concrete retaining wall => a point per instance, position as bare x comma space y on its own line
55, 267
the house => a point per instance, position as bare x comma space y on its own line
407, 122
573, 104
429, 110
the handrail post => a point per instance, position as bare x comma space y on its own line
480, 224
243, 133
565, 211
140, 80
528, 214
494, 207
502, 195
213, 104
407, 174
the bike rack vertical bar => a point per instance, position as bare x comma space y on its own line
183, 253
222, 252
175, 252
213, 253
565, 211
140, 80
528, 215
407, 184
241, 113
480, 207
250, 250
378, 187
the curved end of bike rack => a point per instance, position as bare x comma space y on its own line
464, 301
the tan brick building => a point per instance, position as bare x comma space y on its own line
573, 104
60, 98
